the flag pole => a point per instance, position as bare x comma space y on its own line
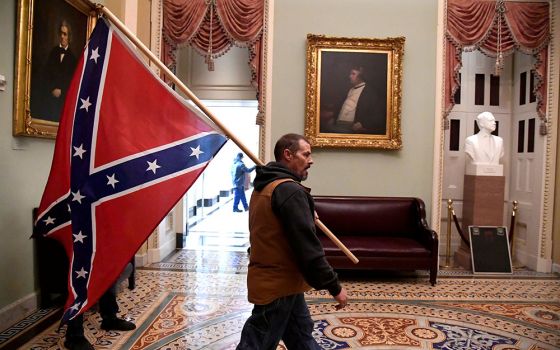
178, 83
184, 89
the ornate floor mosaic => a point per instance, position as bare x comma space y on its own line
196, 299
196, 304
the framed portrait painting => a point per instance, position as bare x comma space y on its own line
51, 36
354, 92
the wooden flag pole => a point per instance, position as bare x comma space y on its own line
178, 83
336, 241
184, 89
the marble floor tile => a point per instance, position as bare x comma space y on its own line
197, 299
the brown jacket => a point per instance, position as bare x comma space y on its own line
273, 272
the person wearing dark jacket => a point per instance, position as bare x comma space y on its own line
286, 257
238, 173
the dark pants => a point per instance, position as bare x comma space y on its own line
239, 195
286, 319
108, 309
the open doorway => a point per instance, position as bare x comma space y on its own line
511, 99
501, 66
210, 222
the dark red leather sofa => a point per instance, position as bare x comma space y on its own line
384, 233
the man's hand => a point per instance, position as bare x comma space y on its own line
56, 93
342, 299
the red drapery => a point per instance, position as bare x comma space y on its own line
475, 24
212, 27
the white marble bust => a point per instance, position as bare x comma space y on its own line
484, 148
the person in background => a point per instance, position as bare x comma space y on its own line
238, 174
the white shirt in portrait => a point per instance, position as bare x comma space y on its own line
348, 110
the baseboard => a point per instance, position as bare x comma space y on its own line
16, 335
141, 259
19, 309
158, 254
536, 263
556, 268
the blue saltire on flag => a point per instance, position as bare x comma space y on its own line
128, 148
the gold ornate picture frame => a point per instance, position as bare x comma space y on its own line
353, 97
43, 70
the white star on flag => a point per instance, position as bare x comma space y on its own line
79, 237
100, 214
49, 220
79, 151
77, 197
94, 54
76, 307
85, 104
196, 151
69, 210
153, 166
111, 180
82, 273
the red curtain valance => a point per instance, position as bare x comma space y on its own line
475, 24
212, 27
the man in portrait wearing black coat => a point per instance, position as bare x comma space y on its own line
58, 73
363, 110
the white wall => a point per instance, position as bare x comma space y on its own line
24, 164
230, 79
407, 172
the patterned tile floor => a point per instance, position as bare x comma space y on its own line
196, 299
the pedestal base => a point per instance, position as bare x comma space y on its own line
484, 169
462, 257
483, 201
483, 205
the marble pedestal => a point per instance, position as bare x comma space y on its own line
483, 205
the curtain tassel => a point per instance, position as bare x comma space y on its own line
500, 10
209, 59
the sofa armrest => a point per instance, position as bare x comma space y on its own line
428, 237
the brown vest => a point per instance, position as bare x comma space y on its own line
273, 272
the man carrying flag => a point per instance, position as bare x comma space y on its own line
128, 148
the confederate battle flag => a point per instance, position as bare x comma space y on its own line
128, 148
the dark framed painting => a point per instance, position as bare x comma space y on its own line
51, 36
354, 92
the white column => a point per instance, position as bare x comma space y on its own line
130, 14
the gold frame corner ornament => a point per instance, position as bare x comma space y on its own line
392, 51
24, 124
